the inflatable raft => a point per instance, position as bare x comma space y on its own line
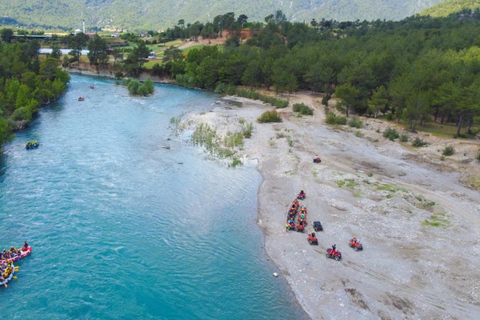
33, 145
10, 277
23, 254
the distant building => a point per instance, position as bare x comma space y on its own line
152, 55
77, 31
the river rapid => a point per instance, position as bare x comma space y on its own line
122, 227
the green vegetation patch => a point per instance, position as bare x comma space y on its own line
391, 134
219, 147
439, 220
254, 95
355, 123
390, 188
418, 143
349, 183
474, 182
269, 116
136, 87
448, 151
335, 120
303, 109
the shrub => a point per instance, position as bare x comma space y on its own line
142, 90
227, 89
355, 123
303, 109
359, 134
391, 134
133, 85
448, 151
478, 155
389, 117
333, 119
341, 120
418, 143
326, 99
149, 85
247, 130
118, 75
235, 163
250, 94
404, 137
269, 116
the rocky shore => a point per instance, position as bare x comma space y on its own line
417, 215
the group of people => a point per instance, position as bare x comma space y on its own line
31, 144
12, 253
302, 216
6, 268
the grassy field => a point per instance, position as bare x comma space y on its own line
440, 130
200, 46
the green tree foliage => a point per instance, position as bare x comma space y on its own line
25, 84
269, 116
97, 51
135, 87
6, 35
349, 94
416, 70
77, 43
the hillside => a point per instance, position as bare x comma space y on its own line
155, 14
447, 7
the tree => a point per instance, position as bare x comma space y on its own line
141, 51
280, 17
77, 43
172, 54
97, 51
6, 35
232, 42
348, 94
242, 20
253, 74
56, 53
149, 85
379, 101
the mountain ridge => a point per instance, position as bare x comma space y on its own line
155, 14
448, 7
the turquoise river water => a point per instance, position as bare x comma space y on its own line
124, 228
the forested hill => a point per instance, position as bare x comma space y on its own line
155, 14
448, 7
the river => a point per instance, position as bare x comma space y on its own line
122, 227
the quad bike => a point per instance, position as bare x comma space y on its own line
357, 246
317, 226
337, 255
312, 239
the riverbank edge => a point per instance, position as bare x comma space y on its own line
263, 189
23, 124
111, 75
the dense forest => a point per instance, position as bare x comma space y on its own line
448, 7
25, 84
155, 14
415, 70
